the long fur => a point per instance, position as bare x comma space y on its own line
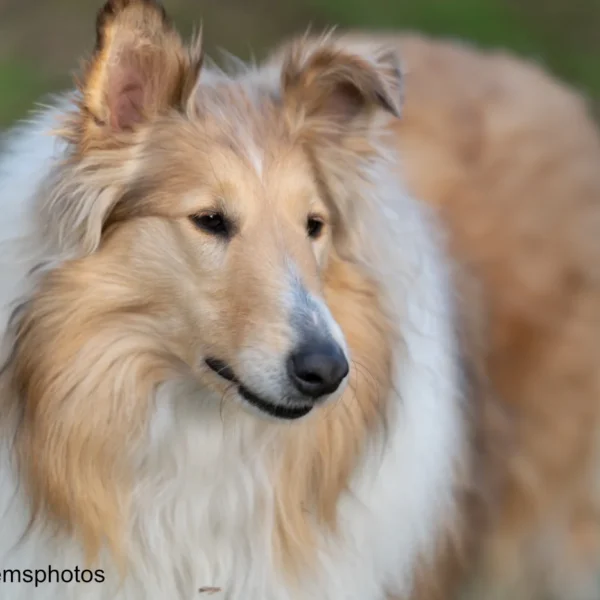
119, 452
460, 456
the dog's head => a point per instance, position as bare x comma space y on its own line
208, 217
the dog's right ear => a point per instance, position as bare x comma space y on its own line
140, 69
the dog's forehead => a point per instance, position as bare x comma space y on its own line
241, 106
247, 125
229, 155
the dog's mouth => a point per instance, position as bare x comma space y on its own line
278, 411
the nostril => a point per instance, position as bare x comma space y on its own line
309, 377
317, 368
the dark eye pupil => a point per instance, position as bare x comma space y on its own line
214, 223
314, 227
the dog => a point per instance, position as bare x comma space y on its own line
245, 358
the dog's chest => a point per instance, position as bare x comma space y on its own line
204, 527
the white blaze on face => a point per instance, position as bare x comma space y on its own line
305, 319
310, 317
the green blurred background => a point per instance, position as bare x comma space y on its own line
41, 41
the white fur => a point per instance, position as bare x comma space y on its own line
203, 505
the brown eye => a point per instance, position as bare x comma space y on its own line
214, 223
314, 227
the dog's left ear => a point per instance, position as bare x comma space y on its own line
335, 85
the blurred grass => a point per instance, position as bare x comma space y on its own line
41, 41
18, 81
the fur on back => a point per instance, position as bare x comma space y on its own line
120, 450
516, 157
510, 157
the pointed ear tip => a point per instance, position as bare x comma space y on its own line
390, 58
390, 103
397, 110
146, 17
113, 8
390, 61
116, 6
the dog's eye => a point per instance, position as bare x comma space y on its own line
214, 223
314, 226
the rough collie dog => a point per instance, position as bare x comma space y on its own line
234, 367
241, 360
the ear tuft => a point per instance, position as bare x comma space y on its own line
325, 79
140, 68
113, 8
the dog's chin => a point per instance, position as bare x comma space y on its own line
258, 404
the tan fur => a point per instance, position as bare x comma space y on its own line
511, 157
77, 473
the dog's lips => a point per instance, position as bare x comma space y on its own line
278, 411
221, 368
275, 410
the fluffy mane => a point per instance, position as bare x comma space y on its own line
121, 450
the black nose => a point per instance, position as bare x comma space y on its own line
317, 368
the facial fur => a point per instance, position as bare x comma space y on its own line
187, 208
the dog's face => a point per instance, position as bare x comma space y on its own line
208, 214
231, 235
213, 203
